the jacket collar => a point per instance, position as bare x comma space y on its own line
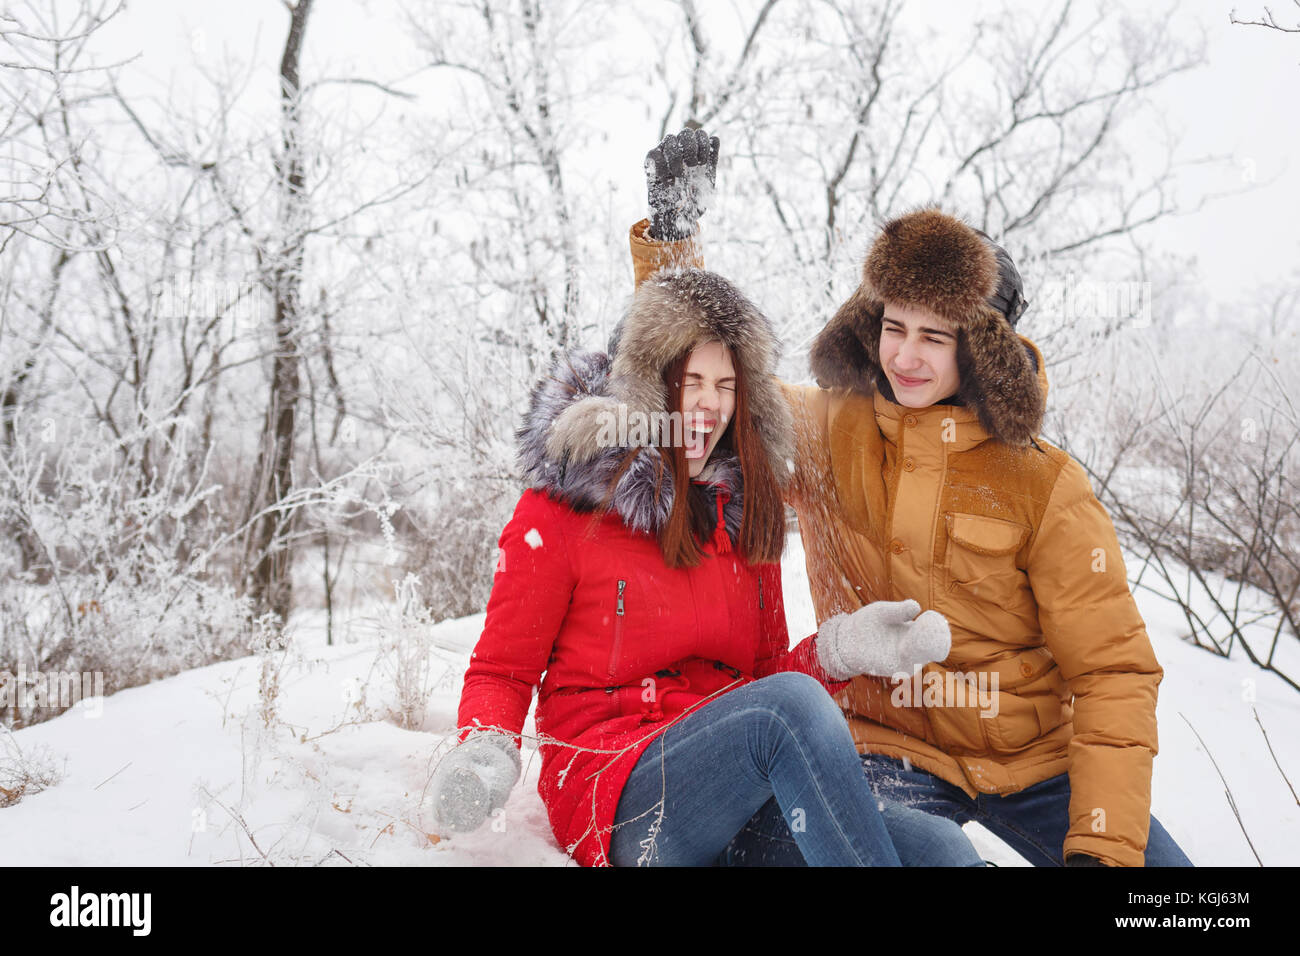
954, 425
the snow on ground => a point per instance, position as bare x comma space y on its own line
187, 772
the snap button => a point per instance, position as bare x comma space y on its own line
908, 464
896, 546
1026, 668
909, 421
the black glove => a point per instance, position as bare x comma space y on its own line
1082, 859
680, 174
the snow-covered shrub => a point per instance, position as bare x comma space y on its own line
452, 549
408, 658
270, 645
112, 577
23, 773
1201, 474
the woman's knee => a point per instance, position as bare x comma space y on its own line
791, 682
798, 695
799, 708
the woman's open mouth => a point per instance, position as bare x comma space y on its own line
696, 434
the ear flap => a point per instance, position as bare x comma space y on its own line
999, 379
846, 353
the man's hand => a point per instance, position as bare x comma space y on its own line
884, 638
680, 174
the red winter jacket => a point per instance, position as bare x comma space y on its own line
626, 645
619, 643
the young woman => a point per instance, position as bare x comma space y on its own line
920, 476
638, 586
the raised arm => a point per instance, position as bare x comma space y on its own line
680, 175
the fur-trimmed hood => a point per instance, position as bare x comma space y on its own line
643, 497
937, 262
671, 313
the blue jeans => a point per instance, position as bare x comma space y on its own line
1033, 821
920, 839
766, 774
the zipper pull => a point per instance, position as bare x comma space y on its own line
621, 586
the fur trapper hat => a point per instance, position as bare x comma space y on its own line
934, 261
670, 314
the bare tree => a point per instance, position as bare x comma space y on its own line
839, 115
518, 82
273, 478
1204, 484
47, 73
47, 198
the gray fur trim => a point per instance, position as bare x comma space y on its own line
566, 399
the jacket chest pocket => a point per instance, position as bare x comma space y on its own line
981, 557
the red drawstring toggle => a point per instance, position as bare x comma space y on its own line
721, 543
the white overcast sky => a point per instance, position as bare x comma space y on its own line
1241, 105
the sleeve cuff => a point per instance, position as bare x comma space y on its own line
650, 255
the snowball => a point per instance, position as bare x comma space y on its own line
533, 538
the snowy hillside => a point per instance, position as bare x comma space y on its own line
185, 772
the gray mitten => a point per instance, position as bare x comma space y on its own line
882, 639
474, 779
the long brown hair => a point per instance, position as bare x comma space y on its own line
693, 517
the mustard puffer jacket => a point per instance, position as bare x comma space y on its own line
1051, 670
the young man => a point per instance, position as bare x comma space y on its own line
919, 476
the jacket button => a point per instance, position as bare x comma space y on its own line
908, 464
1026, 668
896, 546
909, 421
